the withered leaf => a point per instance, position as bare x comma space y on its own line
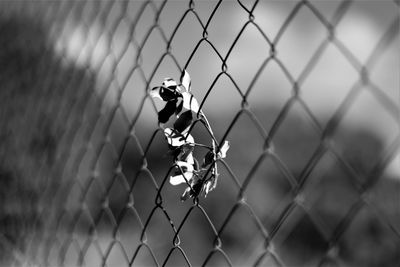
184, 121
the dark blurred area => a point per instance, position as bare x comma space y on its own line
84, 167
41, 100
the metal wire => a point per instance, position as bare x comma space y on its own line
83, 224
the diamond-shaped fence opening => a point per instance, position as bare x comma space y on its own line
307, 93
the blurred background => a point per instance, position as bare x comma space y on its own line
307, 93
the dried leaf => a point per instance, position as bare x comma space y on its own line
186, 153
183, 176
185, 80
197, 187
168, 94
211, 184
186, 194
189, 102
224, 148
179, 106
167, 111
169, 82
208, 159
196, 164
155, 92
176, 139
184, 121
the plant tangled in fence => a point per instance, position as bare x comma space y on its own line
179, 101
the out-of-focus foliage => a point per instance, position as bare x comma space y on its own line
41, 102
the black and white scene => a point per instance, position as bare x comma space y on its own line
199, 133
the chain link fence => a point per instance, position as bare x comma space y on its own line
307, 93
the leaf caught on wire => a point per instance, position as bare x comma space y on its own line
186, 81
184, 121
198, 178
167, 111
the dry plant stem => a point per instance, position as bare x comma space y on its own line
201, 145
213, 145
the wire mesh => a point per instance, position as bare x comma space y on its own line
301, 186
